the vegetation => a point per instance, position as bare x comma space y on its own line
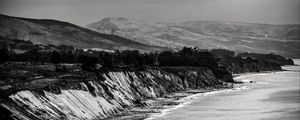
268, 58
185, 57
221, 62
55, 58
131, 58
4, 56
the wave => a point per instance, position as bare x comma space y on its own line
189, 99
296, 61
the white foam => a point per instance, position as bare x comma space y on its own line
263, 83
189, 99
247, 77
296, 61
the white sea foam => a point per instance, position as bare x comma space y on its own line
189, 99
296, 61
246, 78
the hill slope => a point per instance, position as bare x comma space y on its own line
45, 31
240, 37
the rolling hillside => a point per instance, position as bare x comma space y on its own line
239, 37
44, 31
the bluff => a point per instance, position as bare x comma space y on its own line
33, 91
243, 65
96, 95
249, 62
268, 58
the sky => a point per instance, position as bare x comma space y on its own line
83, 12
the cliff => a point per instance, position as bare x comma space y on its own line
30, 91
243, 65
86, 95
268, 58
195, 77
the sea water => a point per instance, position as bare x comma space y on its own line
273, 96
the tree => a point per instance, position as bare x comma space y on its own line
222, 53
68, 56
167, 58
55, 58
4, 56
35, 54
131, 58
88, 62
107, 59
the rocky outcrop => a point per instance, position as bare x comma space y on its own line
101, 94
241, 65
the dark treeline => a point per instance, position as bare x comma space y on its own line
93, 60
185, 57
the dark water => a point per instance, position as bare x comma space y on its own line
274, 96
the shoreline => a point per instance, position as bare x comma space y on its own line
152, 108
262, 72
160, 106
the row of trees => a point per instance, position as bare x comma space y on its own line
185, 57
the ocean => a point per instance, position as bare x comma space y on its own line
272, 96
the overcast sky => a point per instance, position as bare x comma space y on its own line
82, 12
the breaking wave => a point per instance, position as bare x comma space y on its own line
189, 99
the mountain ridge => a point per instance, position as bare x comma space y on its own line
130, 34
236, 36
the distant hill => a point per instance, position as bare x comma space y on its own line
45, 31
239, 37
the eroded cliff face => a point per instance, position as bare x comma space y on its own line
195, 77
103, 95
